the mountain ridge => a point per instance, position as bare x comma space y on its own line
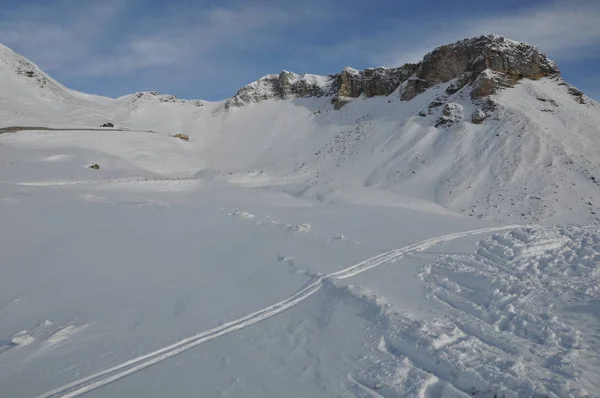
465, 59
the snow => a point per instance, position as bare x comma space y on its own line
289, 249
519, 165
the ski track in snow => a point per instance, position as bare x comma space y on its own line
110, 375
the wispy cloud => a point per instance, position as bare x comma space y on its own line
170, 38
563, 29
172, 41
57, 40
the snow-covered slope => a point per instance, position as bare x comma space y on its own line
30, 97
485, 126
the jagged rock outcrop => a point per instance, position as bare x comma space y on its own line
486, 107
451, 113
384, 81
478, 116
342, 87
486, 64
351, 83
282, 86
575, 92
347, 86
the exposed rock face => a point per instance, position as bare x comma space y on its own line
282, 86
383, 81
346, 86
486, 108
488, 83
468, 59
478, 116
349, 83
486, 63
451, 114
342, 87
577, 94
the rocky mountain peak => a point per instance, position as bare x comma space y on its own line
505, 62
465, 61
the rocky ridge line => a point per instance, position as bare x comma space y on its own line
486, 64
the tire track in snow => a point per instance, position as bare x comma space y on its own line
112, 374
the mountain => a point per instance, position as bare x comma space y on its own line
485, 127
504, 61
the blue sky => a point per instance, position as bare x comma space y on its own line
209, 49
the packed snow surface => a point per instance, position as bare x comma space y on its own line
292, 250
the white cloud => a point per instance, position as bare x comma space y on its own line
563, 29
77, 40
57, 34
135, 54
178, 43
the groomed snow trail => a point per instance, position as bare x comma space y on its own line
97, 380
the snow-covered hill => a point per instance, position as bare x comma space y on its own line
485, 126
